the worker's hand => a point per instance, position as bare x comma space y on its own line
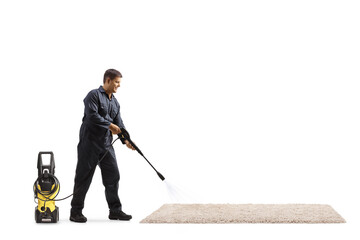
128, 144
114, 129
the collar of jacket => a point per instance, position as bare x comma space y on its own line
101, 89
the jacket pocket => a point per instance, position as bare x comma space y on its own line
102, 110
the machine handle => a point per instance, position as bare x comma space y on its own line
50, 167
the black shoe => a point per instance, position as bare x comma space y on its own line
78, 217
119, 215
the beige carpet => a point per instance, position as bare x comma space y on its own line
244, 213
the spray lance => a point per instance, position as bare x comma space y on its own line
124, 135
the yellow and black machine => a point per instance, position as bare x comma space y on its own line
46, 188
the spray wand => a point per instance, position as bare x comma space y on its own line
124, 135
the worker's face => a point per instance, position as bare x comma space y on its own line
114, 84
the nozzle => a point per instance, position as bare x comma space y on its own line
160, 176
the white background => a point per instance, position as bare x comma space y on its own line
232, 101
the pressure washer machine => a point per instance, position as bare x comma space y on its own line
46, 188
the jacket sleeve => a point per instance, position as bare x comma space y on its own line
91, 110
118, 121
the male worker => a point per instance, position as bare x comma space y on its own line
101, 120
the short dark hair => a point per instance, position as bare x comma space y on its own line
112, 74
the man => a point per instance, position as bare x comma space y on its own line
101, 119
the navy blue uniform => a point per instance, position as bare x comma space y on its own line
95, 139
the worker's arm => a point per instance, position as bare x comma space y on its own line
118, 121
